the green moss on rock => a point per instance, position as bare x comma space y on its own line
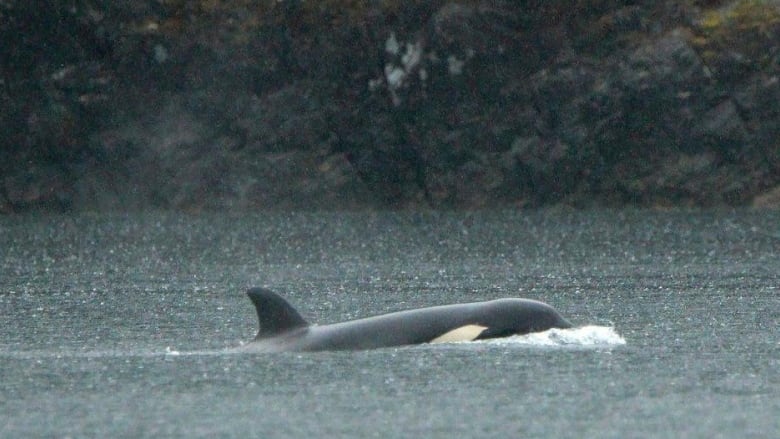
742, 30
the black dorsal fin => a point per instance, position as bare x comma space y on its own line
275, 315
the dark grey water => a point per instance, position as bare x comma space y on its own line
114, 326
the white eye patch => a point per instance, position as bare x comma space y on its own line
463, 333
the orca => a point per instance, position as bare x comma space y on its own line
283, 329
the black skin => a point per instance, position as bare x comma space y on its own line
283, 329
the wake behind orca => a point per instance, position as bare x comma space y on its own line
283, 329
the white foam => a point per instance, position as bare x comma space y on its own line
584, 336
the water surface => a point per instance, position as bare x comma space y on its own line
118, 325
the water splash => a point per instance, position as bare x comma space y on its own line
584, 336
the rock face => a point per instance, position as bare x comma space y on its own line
444, 104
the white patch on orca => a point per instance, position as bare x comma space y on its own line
463, 333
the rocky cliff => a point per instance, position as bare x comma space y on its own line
241, 104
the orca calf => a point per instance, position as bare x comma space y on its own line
283, 329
